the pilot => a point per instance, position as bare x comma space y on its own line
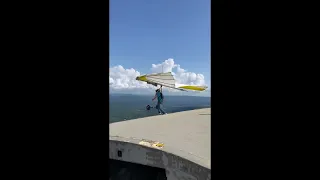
160, 98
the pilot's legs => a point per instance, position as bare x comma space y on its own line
160, 108
160, 111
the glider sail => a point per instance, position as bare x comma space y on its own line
164, 79
167, 80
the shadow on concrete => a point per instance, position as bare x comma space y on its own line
121, 170
206, 114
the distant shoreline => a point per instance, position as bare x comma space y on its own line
170, 95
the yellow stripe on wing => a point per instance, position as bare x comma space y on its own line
195, 88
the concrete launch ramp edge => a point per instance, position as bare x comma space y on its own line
176, 157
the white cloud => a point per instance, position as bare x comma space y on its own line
120, 78
166, 66
125, 79
181, 75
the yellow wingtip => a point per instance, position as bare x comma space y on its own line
142, 78
195, 88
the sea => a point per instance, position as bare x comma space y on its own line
127, 106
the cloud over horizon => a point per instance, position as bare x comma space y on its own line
125, 79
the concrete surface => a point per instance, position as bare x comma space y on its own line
185, 136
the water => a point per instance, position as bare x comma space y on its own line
125, 107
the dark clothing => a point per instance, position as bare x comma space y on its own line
159, 107
158, 94
159, 104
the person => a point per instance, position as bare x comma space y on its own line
159, 96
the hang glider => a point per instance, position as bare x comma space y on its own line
167, 80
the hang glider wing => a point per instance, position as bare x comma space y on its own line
167, 80
162, 79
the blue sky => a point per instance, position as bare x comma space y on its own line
146, 32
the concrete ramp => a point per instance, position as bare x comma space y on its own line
178, 143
